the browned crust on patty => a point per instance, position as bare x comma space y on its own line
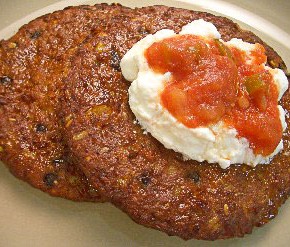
32, 65
152, 184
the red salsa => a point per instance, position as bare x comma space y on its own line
212, 82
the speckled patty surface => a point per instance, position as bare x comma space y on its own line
32, 65
153, 185
67, 129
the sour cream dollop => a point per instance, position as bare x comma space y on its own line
215, 143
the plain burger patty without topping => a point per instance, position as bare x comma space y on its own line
33, 64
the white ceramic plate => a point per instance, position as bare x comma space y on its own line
29, 217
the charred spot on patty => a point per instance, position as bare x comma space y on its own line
40, 127
145, 179
50, 179
194, 176
5, 80
35, 35
115, 60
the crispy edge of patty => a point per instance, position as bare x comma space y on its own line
153, 185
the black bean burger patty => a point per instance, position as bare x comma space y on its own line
32, 65
152, 184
